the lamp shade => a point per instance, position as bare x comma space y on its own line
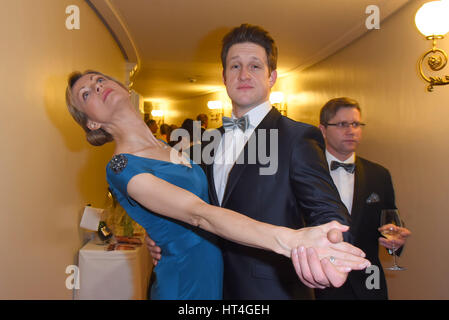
432, 19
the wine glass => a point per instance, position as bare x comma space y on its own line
391, 216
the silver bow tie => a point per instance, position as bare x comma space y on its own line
231, 124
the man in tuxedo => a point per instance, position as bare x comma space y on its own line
300, 192
365, 188
293, 189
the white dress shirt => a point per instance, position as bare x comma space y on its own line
232, 144
343, 180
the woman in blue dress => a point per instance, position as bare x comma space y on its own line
167, 194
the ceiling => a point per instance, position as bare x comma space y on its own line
176, 43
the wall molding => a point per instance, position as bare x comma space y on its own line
118, 29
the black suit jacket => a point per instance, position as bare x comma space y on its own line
301, 192
371, 179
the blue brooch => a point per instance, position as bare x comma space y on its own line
118, 163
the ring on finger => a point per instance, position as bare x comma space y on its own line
332, 259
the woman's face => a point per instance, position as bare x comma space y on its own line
98, 97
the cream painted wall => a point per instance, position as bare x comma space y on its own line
406, 132
48, 170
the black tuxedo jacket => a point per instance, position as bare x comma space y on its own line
373, 191
301, 192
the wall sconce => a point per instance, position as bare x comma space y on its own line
278, 101
432, 20
215, 110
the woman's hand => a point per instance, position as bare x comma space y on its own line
343, 253
321, 259
315, 273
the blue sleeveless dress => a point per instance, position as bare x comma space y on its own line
191, 266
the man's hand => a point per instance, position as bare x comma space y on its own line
315, 273
154, 250
398, 238
330, 270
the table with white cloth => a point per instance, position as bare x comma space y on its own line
113, 275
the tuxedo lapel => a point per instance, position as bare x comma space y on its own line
269, 122
360, 193
210, 176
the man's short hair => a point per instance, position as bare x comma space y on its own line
254, 34
330, 109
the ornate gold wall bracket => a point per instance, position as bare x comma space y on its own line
436, 61
431, 19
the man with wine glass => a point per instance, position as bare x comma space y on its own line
366, 189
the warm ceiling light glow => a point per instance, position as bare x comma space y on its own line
432, 19
214, 104
276, 97
157, 113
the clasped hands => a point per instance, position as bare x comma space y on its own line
321, 261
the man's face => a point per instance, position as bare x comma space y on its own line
247, 79
340, 141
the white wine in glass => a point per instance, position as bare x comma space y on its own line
389, 234
391, 216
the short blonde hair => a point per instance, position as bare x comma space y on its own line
95, 137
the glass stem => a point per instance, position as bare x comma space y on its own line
394, 256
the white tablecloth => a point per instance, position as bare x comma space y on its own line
116, 275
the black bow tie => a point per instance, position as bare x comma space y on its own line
349, 167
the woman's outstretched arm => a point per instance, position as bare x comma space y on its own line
166, 199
